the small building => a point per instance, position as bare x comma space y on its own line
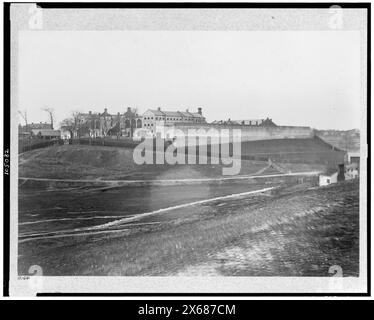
351, 171
65, 134
353, 157
329, 177
26, 131
46, 134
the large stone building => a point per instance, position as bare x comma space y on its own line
105, 124
155, 118
129, 122
87, 124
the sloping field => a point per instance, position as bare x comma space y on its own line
344, 140
311, 151
220, 228
100, 162
75, 162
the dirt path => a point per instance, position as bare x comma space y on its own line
164, 181
104, 227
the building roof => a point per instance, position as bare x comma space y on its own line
166, 113
329, 172
156, 112
172, 113
41, 125
186, 114
354, 153
253, 121
85, 114
105, 113
46, 132
197, 115
248, 121
129, 113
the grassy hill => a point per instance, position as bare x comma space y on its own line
101, 162
345, 140
311, 151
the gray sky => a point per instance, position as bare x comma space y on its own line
296, 78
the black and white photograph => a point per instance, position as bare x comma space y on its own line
207, 149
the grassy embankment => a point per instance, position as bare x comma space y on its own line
293, 233
98, 162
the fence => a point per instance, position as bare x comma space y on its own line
31, 144
125, 143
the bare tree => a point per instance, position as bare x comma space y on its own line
133, 116
71, 124
51, 112
24, 116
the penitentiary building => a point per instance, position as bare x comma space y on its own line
158, 117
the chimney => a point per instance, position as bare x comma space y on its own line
341, 176
159, 109
105, 110
186, 110
128, 109
199, 111
89, 112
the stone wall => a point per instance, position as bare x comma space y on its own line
253, 133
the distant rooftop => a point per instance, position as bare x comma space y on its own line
247, 122
46, 132
186, 114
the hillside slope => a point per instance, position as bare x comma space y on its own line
344, 140
99, 162
312, 151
